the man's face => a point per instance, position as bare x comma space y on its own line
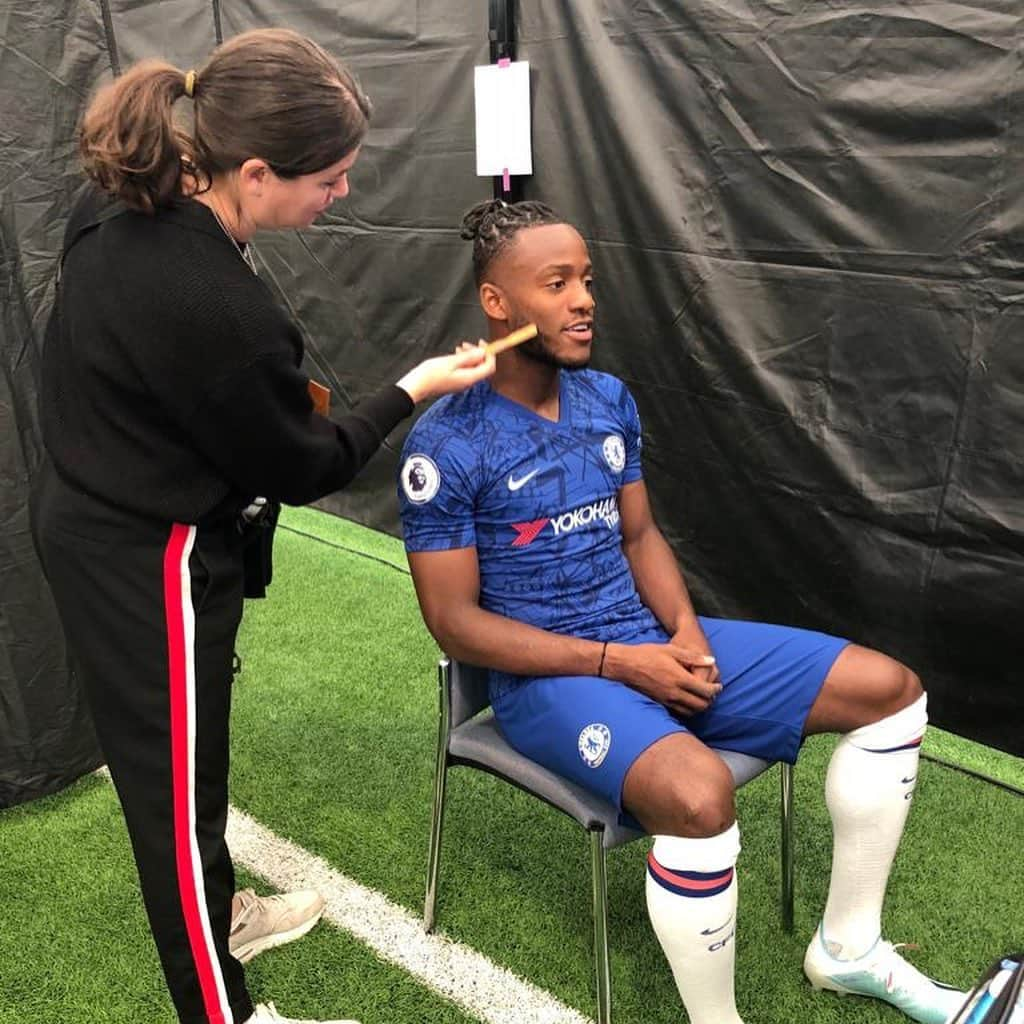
546, 278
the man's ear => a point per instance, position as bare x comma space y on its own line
493, 301
253, 175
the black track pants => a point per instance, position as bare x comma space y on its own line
150, 612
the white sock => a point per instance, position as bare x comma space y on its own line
691, 898
870, 783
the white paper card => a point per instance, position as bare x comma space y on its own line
503, 119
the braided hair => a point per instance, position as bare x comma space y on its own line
493, 225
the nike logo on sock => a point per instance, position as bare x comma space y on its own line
911, 779
514, 484
711, 931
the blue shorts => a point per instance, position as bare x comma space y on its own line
591, 730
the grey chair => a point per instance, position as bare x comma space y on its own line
468, 737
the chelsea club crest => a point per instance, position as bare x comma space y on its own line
593, 744
614, 452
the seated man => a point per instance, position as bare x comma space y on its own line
534, 553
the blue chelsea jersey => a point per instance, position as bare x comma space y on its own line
537, 499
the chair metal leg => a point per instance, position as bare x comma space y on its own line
600, 899
437, 813
786, 777
434, 857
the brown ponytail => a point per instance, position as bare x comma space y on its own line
129, 143
269, 93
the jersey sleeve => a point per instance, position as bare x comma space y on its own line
633, 435
437, 488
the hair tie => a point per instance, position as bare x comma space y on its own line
190, 83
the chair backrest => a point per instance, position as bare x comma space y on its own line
468, 691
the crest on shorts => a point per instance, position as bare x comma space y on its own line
420, 479
593, 744
614, 452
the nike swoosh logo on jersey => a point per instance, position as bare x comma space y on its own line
514, 484
911, 779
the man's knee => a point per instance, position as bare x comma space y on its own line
863, 686
899, 687
694, 802
706, 808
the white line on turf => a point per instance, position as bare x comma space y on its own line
466, 977
491, 993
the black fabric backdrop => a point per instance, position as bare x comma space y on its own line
806, 222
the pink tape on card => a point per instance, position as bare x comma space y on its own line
504, 62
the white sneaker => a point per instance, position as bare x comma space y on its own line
266, 1013
884, 974
267, 921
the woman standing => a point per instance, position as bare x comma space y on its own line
175, 416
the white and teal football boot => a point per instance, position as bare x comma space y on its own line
881, 972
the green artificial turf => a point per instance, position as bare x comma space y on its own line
356, 786
334, 727
75, 947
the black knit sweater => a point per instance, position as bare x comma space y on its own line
170, 376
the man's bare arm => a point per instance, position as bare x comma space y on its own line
448, 587
656, 573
